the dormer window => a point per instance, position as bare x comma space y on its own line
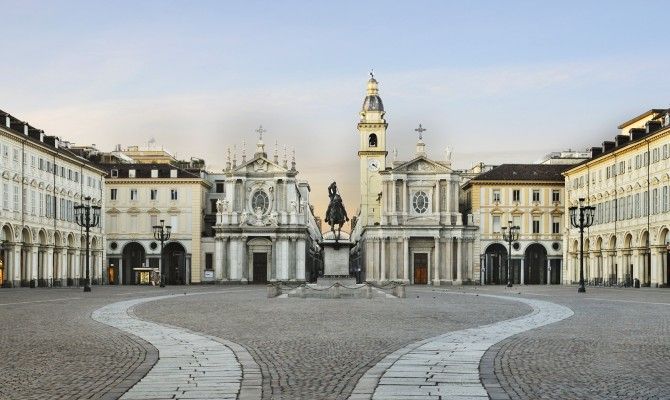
131, 173
154, 173
115, 173
173, 173
666, 119
372, 140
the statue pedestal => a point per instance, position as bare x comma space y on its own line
336, 260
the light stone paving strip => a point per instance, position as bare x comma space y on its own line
190, 365
447, 366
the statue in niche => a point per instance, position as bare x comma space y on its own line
219, 206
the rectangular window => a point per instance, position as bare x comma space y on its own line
173, 173
212, 205
174, 220
496, 224
153, 194
496, 195
645, 203
220, 187
133, 194
536, 225
154, 173
112, 194
654, 201
173, 194
556, 196
556, 226
76, 176
115, 173
33, 202
5, 196
516, 220
666, 208
629, 206
41, 203
516, 195
153, 220
209, 260
536, 195
131, 173
637, 205
16, 198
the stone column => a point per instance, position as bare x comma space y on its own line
394, 201
448, 205
218, 259
273, 259
49, 266
15, 261
523, 272
437, 201
656, 267
436, 262
449, 259
292, 258
300, 260
393, 259
548, 271
234, 259
382, 258
405, 257
244, 263
285, 260
34, 265
370, 259
459, 260
405, 198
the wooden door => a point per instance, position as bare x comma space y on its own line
420, 268
260, 267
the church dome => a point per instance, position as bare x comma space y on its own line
373, 103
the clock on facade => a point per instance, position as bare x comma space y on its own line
373, 165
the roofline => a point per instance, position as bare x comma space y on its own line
641, 116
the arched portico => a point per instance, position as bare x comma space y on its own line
535, 262
134, 256
174, 264
496, 264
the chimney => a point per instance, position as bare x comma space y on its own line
25, 128
607, 146
42, 136
8, 121
56, 142
596, 151
621, 140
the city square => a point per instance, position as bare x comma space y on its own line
344, 200
613, 346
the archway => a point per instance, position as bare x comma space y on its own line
26, 258
174, 264
134, 256
42, 273
56, 262
535, 264
6, 237
372, 140
496, 264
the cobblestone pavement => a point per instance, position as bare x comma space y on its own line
447, 366
50, 347
189, 365
616, 346
318, 349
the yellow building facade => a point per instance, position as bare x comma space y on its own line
628, 183
530, 196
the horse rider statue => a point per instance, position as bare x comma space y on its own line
336, 213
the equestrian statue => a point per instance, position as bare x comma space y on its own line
336, 214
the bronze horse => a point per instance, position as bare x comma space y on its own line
336, 213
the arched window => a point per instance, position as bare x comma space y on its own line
372, 140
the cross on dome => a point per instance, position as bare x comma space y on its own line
260, 132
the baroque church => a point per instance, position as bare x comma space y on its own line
408, 228
265, 228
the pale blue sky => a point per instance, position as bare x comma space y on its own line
498, 81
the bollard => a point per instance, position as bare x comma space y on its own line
273, 291
399, 291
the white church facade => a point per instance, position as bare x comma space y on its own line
265, 229
409, 228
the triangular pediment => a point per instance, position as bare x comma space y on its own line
421, 165
260, 164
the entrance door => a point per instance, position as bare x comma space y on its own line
260, 267
420, 268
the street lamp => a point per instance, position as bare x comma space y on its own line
511, 235
161, 233
87, 219
581, 217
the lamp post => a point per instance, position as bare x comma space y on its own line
511, 235
87, 216
581, 217
161, 233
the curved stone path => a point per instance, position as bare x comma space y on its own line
190, 365
447, 366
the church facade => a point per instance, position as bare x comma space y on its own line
265, 229
409, 228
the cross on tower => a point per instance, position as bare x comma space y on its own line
421, 130
261, 131
372, 73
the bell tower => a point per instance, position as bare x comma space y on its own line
372, 153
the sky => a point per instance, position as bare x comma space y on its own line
497, 82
